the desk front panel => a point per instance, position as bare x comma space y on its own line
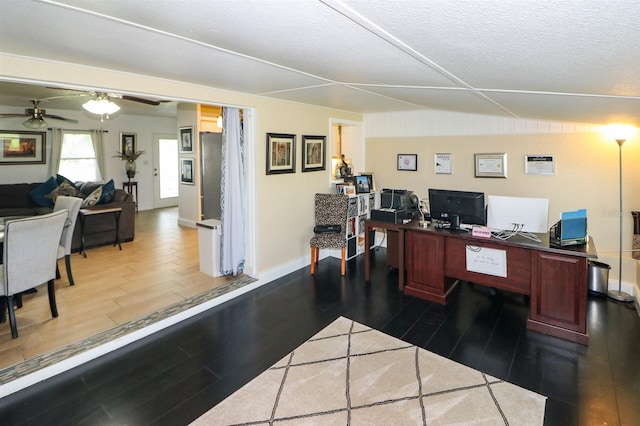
518, 277
559, 291
424, 257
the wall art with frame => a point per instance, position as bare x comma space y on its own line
127, 144
408, 162
186, 171
314, 149
18, 147
492, 165
186, 139
281, 153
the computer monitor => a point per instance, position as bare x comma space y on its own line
519, 214
457, 207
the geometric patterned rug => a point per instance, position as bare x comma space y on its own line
350, 374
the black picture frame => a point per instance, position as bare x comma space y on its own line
408, 162
127, 143
281, 153
362, 185
186, 139
186, 171
314, 153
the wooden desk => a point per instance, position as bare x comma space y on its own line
129, 187
554, 278
395, 239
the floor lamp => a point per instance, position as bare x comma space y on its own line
620, 133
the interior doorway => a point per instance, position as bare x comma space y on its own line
165, 170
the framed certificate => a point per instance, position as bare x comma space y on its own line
408, 162
442, 163
539, 165
491, 165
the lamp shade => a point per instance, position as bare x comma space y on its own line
101, 106
35, 123
619, 132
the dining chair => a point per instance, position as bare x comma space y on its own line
29, 259
330, 227
72, 205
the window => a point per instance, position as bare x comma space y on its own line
78, 157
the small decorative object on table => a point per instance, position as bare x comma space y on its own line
130, 157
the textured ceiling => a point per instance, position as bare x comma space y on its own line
570, 60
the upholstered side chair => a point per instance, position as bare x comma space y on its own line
331, 214
72, 205
29, 259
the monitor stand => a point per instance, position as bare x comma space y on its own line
454, 224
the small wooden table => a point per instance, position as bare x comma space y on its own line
82, 215
128, 186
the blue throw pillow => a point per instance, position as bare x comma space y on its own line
61, 179
107, 189
40, 195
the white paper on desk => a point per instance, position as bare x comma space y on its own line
487, 261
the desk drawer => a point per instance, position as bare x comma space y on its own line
518, 277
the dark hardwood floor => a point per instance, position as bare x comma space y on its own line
174, 376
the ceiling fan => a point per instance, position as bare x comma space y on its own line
36, 116
101, 104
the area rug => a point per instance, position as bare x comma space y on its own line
350, 374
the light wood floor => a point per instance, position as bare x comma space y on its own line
158, 269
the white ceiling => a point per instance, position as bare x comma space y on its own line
568, 60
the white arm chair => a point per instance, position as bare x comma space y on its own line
29, 258
72, 205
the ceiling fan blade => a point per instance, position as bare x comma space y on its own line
12, 115
57, 117
141, 100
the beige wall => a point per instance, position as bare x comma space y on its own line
283, 203
586, 176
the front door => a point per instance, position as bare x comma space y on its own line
165, 170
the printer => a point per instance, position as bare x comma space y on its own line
396, 206
570, 230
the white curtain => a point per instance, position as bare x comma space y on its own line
232, 194
98, 146
56, 150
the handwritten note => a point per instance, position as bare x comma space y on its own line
487, 261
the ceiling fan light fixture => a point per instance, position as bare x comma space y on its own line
101, 106
35, 123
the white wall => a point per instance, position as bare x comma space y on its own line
282, 204
189, 195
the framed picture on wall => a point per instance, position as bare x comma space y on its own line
281, 153
313, 153
17, 147
127, 144
491, 165
186, 171
408, 162
442, 163
186, 139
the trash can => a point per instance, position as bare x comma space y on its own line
209, 246
598, 278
